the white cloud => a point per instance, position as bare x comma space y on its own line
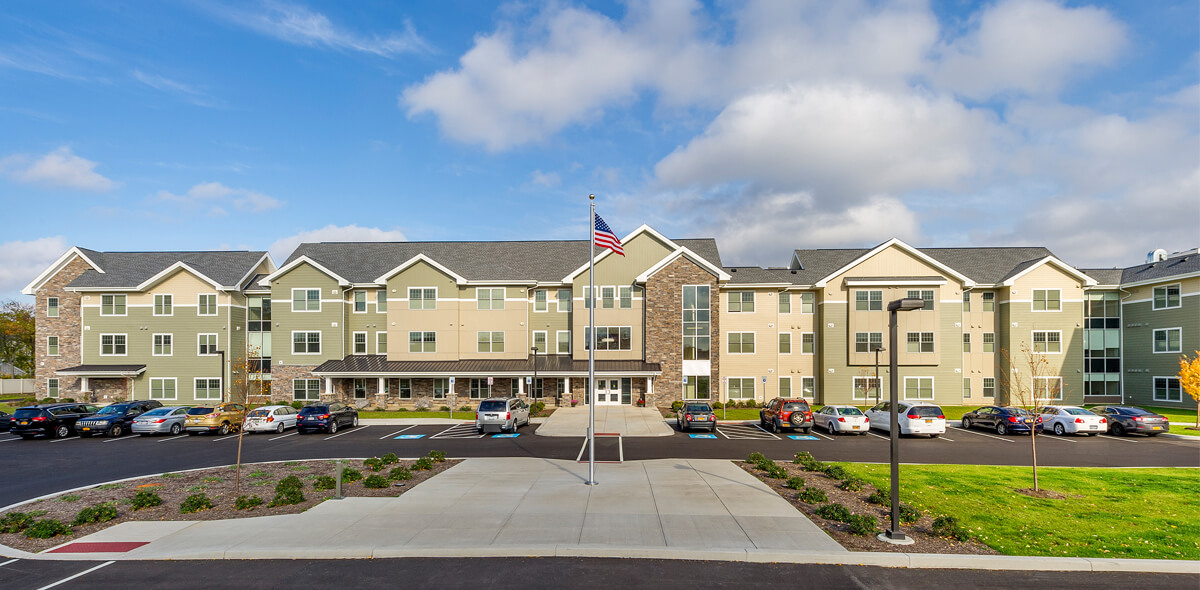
177, 88
301, 26
213, 194
59, 169
545, 179
22, 261
283, 247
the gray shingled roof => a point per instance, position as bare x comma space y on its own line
378, 363
130, 269
743, 275
546, 261
1104, 276
1165, 269
982, 265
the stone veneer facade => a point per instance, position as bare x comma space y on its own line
664, 327
67, 326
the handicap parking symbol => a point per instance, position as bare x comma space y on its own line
513, 435
801, 437
409, 436
702, 435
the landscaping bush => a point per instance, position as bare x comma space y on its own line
852, 484
776, 472
908, 514
379, 409
401, 409
947, 526
718, 405
803, 457
423, 464
445, 408
47, 528
466, 409
862, 524
376, 482
289, 490
880, 498
536, 408
297, 404
834, 511
390, 459
247, 502
97, 513
374, 464
146, 499
400, 473
675, 405
290, 482
69, 498
324, 482
795, 483
755, 457
808, 463
15, 522
835, 471
437, 456
351, 475
812, 496
195, 503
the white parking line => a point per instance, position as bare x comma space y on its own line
398, 432
1062, 438
943, 437
878, 435
284, 436
225, 438
8, 562
746, 432
459, 431
815, 433
11, 439
120, 438
82, 573
173, 438
65, 439
1105, 435
982, 434
352, 429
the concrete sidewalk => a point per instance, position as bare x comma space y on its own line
623, 420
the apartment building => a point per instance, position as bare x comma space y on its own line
404, 324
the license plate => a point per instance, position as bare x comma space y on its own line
855, 427
1158, 427
86, 428
24, 423
929, 421
1094, 427
492, 416
702, 419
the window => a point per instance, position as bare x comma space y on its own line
52, 346
514, 386
537, 388
112, 305
868, 300
866, 388
1166, 389
740, 342
1047, 300
610, 337
422, 298
785, 302
489, 298
360, 388
162, 388
1047, 388
808, 343
806, 302
587, 297
741, 388
564, 342
480, 389
867, 341
989, 387
808, 387
259, 309
1102, 343
966, 301
207, 388
360, 342
625, 294
539, 341
926, 294
162, 345
920, 341
697, 387
1047, 342
966, 342
1168, 340
697, 325
1166, 297
785, 343
306, 343
206, 344
306, 389
206, 304
52, 307
966, 387
52, 387
491, 341
381, 343
918, 388
540, 303
360, 302
989, 300
112, 345
564, 300
608, 297
306, 300
403, 388
422, 341
440, 388
381, 301
741, 302
785, 387
989, 342
162, 304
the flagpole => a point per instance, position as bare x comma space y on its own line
590, 300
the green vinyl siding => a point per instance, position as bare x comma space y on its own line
330, 321
1140, 363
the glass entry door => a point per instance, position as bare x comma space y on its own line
608, 391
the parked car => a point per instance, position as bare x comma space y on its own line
270, 419
164, 420
53, 420
1063, 420
1123, 420
1004, 419
221, 419
914, 418
116, 419
5, 420
835, 419
501, 415
328, 417
781, 413
693, 415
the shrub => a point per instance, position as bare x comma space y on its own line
247, 502
812, 496
374, 464
324, 482
908, 514
445, 408
47, 528
755, 457
48, 400
195, 503
862, 524
880, 498
423, 464
290, 482
297, 404
351, 475
947, 526
400, 473
289, 490
97, 513
15, 522
146, 499
390, 459
834, 511
172, 475
375, 482
795, 483
466, 409
852, 484
835, 471
717, 405
437, 456
803, 457
401, 409
379, 409
259, 474
676, 405
776, 472
536, 408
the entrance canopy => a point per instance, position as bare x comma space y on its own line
103, 371
553, 365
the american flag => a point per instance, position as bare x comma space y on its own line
605, 238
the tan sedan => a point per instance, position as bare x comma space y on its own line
221, 419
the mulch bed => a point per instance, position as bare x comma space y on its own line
218, 483
921, 531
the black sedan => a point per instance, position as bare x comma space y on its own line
1004, 419
116, 419
328, 417
693, 415
1123, 420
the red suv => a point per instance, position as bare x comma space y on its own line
782, 413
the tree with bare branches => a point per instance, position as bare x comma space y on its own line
1028, 382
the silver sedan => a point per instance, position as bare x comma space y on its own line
165, 420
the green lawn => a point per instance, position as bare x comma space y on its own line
1136, 513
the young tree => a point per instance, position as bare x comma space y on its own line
17, 333
1028, 382
1189, 380
245, 384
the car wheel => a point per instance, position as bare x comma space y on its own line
775, 425
176, 429
279, 429
333, 426
934, 435
355, 423
712, 428
1058, 429
762, 420
62, 431
224, 429
806, 430
966, 424
831, 428
116, 430
1118, 429
1001, 429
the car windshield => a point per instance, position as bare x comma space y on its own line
795, 406
925, 411
1078, 412
849, 411
30, 413
314, 409
259, 412
701, 408
491, 406
158, 412
199, 411
111, 410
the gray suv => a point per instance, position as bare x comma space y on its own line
501, 415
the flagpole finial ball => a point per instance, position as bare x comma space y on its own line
592, 197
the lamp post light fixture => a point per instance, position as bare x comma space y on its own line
894, 535
878, 384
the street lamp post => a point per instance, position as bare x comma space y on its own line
878, 384
894, 535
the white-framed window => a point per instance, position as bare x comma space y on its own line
966, 342
588, 300
514, 387
162, 388
306, 389
112, 305
867, 341
625, 297
866, 388
610, 337
1047, 300
785, 343
919, 341
490, 341
1166, 389
306, 342
785, 387
918, 388
989, 387
740, 342
52, 389
698, 387
1047, 388
966, 304
1167, 297
807, 303
697, 322
741, 302
381, 342
441, 387
403, 388
422, 341
785, 302
564, 300
422, 297
207, 388
541, 303
989, 300
206, 304
808, 387
359, 340
1047, 341
164, 345
608, 297
808, 343
489, 298
539, 340
1168, 340
479, 389
52, 346
381, 301
989, 342
868, 300
163, 304
360, 389
52, 307
966, 387
564, 341
923, 294
360, 302
112, 345
206, 344
741, 388
306, 299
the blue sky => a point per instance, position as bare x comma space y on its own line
768, 125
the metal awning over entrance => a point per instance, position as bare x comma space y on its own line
102, 371
553, 365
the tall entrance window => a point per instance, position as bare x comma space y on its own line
697, 324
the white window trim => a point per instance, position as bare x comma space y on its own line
292, 301
932, 387
57, 307
220, 389
1154, 338
354, 301
381, 296
1178, 287
1154, 390
753, 301
58, 345
154, 308
1034, 384
558, 301
791, 343
814, 341
814, 303
114, 296
727, 342
854, 342
865, 395
1060, 341
377, 347
422, 333
294, 398
354, 343
779, 301
882, 307
545, 337
57, 385
729, 390
919, 343
216, 305
125, 336
409, 298
1032, 299
172, 337
199, 336
535, 301
164, 379
292, 342
556, 336
491, 298
621, 288
811, 379
618, 329
491, 341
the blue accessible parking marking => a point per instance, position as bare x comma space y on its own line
702, 436
409, 436
801, 437
513, 435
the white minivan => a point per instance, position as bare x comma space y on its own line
914, 418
